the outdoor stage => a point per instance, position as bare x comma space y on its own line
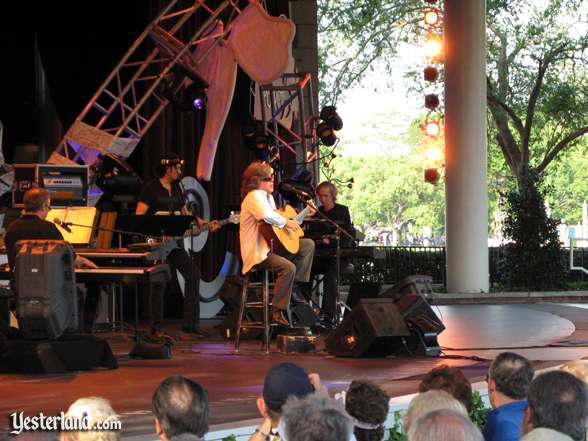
548, 334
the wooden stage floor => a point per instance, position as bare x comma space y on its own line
548, 334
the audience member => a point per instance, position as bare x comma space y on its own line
444, 425
95, 411
509, 378
430, 401
281, 381
315, 418
367, 404
557, 408
578, 368
180, 407
451, 380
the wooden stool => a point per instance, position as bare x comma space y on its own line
264, 304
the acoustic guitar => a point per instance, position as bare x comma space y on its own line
282, 240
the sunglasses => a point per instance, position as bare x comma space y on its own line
268, 179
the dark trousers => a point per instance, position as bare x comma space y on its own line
180, 260
328, 267
89, 306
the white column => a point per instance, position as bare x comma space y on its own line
465, 146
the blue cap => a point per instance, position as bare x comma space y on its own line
282, 381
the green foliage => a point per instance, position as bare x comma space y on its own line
230, 438
390, 191
479, 413
352, 35
533, 260
396, 432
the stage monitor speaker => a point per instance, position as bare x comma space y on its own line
410, 298
374, 328
69, 353
362, 290
46, 288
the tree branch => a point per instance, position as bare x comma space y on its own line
532, 103
493, 99
560, 146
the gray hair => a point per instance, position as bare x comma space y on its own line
512, 374
444, 425
314, 418
425, 402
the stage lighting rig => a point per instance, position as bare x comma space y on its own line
330, 123
256, 139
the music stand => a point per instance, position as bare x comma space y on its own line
155, 226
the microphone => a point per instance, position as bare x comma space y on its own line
289, 188
64, 225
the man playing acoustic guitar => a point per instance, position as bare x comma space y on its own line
258, 211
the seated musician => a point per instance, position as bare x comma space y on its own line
164, 194
324, 235
258, 207
32, 226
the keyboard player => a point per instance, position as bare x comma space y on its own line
32, 226
324, 235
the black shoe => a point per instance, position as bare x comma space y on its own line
279, 319
195, 330
298, 296
327, 321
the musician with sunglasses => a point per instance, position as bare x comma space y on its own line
258, 208
164, 194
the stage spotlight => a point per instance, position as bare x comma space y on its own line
431, 101
432, 176
431, 73
195, 97
431, 17
433, 46
255, 138
432, 128
434, 153
326, 133
330, 116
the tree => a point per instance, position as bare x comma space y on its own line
390, 191
537, 81
533, 259
353, 35
536, 57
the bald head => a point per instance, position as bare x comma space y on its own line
181, 406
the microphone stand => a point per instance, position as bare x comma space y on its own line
338, 231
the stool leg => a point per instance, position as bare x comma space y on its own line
266, 323
241, 312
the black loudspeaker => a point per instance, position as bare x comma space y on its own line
362, 290
303, 315
69, 353
375, 328
46, 288
410, 298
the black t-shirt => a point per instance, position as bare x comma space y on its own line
340, 214
157, 198
28, 227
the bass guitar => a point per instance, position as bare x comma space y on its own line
165, 245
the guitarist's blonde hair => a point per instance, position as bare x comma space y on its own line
253, 175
